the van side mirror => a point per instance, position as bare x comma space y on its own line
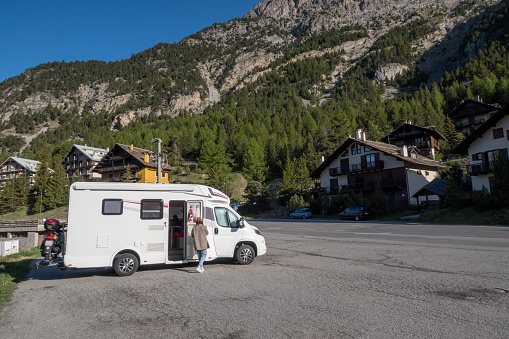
241, 223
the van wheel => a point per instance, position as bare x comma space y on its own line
357, 218
244, 255
125, 264
303, 217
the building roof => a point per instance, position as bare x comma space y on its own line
428, 130
437, 187
462, 148
137, 153
387, 149
28, 164
92, 153
471, 108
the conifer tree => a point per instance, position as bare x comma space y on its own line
57, 189
289, 186
127, 175
42, 176
9, 197
22, 188
255, 167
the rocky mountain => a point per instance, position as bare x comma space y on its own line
187, 77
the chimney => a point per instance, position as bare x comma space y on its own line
363, 136
131, 147
146, 158
107, 149
348, 136
404, 151
322, 159
358, 134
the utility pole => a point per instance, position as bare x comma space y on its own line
159, 142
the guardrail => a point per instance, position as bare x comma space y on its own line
19, 223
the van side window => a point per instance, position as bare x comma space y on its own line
226, 218
113, 206
221, 218
234, 221
151, 209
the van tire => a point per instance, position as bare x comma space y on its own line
357, 218
125, 264
245, 255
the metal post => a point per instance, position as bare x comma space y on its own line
159, 141
40, 209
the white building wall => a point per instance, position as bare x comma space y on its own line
484, 144
417, 179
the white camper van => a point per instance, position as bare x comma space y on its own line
125, 225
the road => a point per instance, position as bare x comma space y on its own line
319, 279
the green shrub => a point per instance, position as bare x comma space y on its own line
295, 202
484, 201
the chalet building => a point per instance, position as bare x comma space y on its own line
470, 114
483, 146
425, 139
81, 160
18, 167
361, 165
142, 162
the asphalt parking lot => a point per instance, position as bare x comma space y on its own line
318, 279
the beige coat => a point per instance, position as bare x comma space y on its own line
199, 234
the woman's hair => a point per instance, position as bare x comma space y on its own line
199, 220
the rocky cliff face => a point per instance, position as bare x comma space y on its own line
249, 46
317, 15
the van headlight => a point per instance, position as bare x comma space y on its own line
256, 231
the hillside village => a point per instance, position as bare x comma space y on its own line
404, 166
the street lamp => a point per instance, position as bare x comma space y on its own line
159, 142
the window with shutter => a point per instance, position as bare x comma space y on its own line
498, 133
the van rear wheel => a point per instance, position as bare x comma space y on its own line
125, 264
245, 255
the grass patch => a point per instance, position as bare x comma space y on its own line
24, 213
467, 216
13, 270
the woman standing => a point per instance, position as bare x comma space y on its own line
199, 234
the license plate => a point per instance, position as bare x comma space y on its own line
48, 243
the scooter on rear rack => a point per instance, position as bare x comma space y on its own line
52, 246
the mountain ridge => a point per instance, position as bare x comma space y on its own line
187, 77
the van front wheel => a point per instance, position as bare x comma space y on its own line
245, 255
125, 264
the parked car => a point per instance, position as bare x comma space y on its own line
355, 212
301, 213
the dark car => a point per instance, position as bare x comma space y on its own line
355, 212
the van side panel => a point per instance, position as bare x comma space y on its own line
93, 239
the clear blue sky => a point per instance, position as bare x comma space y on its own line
39, 31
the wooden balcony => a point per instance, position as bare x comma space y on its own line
481, 168
356, 168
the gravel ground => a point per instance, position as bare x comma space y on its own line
304, 287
